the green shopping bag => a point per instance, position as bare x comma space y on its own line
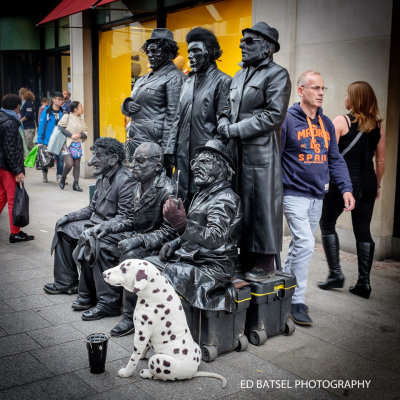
31, 157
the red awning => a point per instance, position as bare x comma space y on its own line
102, 2
68, 7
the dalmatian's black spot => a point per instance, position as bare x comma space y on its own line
183, 341
142, 322
163, 333
132, 359
155, 311
172, 337
140, 333
169, 298
176, 351
141, 275
166, 363
166, 282
146, 305
185, 351
197, 359
136, 290
152, 280
145, 317
141, 338
150, 323
185, 330
160, 305
134, 348
145, 263
158, 361
194, 358
169, 332
164, 290
167, 311
162, 318
165, 342
180, 307
168, 324
195, 350
142, 301
123, 265
158, 370
167, 371
156, 290
152, 366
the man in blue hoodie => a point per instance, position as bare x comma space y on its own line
310, 159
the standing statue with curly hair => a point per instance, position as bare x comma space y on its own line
155, 96
111, 203
203, 96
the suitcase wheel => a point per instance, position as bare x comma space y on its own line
258, 337
289, 328
209, 353
243, 343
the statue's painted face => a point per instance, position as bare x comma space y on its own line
157, 55
206, 170
102, 162
198, 56
252, 47
145, 164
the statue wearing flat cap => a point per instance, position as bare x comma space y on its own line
250, 122
155, 96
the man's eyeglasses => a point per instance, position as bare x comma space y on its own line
249, 40
316, 88
142, 159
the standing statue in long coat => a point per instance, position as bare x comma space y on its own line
155, 96
251, 121
203, 97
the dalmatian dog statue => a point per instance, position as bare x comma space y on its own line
160, 323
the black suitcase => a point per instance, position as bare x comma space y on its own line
269, 310
217, 332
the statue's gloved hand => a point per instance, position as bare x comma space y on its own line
101, 230
133, 107
63, 220
223, 133
166, 252
174, 215
131, 243
84, 237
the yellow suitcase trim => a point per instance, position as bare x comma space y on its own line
276, 288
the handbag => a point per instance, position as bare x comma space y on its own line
31, 157
56, 141
75, 149
46, 159
20, 213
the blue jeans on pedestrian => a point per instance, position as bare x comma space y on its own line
60, 163
302, 215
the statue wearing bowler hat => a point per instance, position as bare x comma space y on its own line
250, 122
155, 96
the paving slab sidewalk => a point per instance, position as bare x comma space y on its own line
43, 354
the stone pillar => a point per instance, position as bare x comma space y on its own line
81, 77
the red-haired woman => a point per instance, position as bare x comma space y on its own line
361, 137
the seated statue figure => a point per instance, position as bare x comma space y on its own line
201, 262
141, 234
111, 202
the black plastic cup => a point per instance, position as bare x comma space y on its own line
96, 344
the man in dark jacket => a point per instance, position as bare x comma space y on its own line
140, 235
251, 122
200, 263
202, 98
11, 161
155, 96
111, 202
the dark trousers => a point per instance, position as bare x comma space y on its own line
65, 271
361, 215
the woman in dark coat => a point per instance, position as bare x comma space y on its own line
251, 121
203, 96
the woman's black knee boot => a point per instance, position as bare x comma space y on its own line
76, 187
365, 255
62, 182
335, 278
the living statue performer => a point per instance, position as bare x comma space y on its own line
140, 235
155, 96
251, 121
201, 262
111, 202
203, 96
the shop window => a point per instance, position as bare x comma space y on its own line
121, 62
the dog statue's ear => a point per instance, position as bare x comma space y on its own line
140, 281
